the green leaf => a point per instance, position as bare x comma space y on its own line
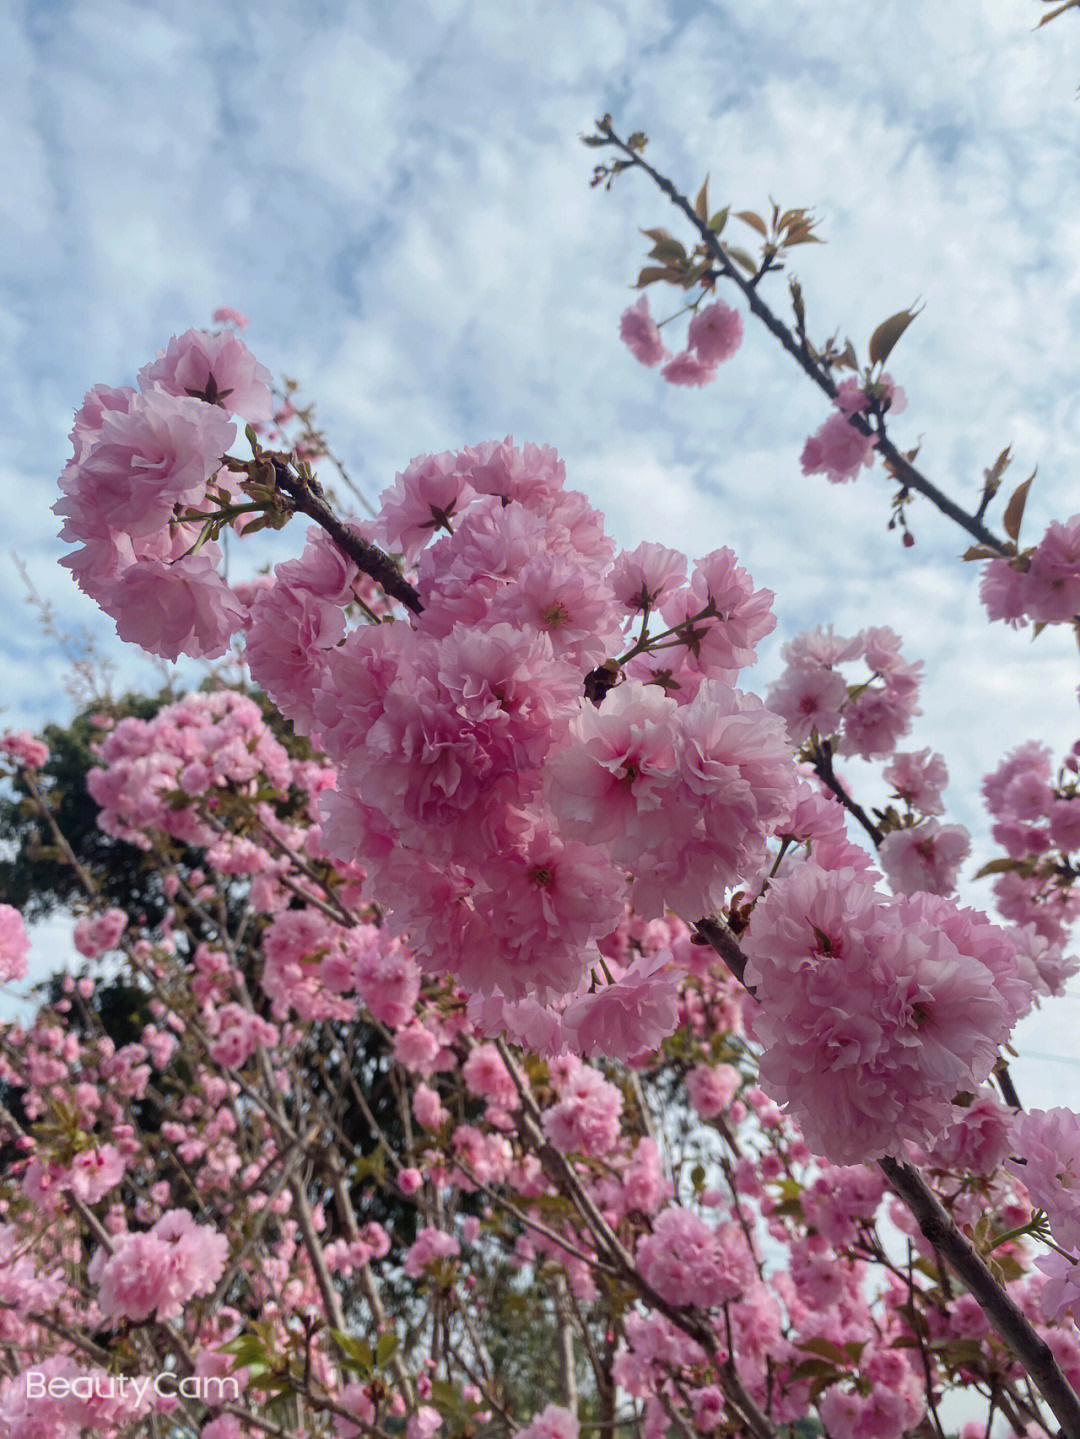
719, 220
998, 866
668, 250
354, 1349
385, 1349
826, 1349
742, 258
246, 1349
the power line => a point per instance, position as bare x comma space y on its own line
1057, 1058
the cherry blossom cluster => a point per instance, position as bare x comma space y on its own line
713, 336
875, 1012
862, 716
510, 1164
504, 819
144, 478
516, 790
1036, 816
839, 450
1040, 584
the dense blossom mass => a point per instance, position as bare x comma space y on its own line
528, 812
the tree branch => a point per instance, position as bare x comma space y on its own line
799, 351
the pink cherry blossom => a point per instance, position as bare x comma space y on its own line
712, 1088
715, 333
640, 334
925, 857
554, 1422
874, 1012
24, 749
1048, 1141
918, 777
628, 1016
688, 368
640, 578
688, 1262
157, 1272
180, 608
218, 368
838, 451
14, 944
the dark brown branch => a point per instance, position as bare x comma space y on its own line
307, 497
998, 1306
800, 353
823, 768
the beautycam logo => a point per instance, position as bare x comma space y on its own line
209, 1388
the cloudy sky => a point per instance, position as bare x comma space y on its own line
396, 195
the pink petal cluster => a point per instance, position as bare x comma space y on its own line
866, 717
689, 1262
875, 1012
630, 1014
1037, 822
838, 451
715, 333
217, 368
156, 1272
430, 1246
239, 1033
918, 778
14, 944
554, 1422
586, 1118
1048, 1143
1041, 584
140, 461
1060, 1294
926, 857
24, 749
458, 739
712, 1087
640, 334
95, 934
683, 794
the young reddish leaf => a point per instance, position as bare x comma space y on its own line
701, 204
980, 552
993, 475
1068, 5
754, 221
797, 301
652, 273
1014, 510
887, 333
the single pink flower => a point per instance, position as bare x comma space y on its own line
640, 334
